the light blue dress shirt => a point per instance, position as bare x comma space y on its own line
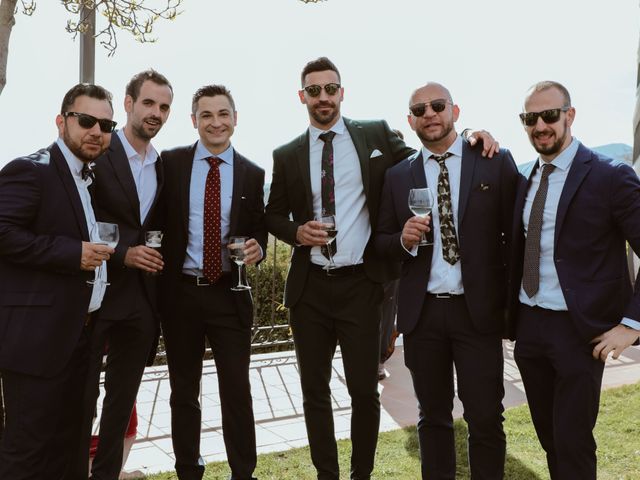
193, 258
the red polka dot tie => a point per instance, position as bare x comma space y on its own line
212, 254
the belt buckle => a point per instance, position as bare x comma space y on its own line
443, 295
202, 281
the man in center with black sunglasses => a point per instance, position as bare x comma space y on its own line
572, 302
335, 168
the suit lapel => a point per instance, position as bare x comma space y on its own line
466, 176
239, 169
160, 180
416, 166
302, 154
120, 163
186, 165
579, 169
359, 139
72, 190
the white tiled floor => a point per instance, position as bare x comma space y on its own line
278, 404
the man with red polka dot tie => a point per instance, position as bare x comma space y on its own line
211, 194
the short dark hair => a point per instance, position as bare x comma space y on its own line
318, 65
546, 85
135, 84
88, 90
211, 91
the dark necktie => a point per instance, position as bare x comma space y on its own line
531, 266
450, 249
87, 171
327, 184
212, 254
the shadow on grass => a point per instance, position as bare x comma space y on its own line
514, 468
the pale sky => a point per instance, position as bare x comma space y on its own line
486, 52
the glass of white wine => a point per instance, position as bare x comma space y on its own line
420, 203
236, 254
109, 235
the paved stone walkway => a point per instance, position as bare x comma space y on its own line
278, 404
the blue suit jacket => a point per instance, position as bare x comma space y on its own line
599, 209
485, 212
44, 297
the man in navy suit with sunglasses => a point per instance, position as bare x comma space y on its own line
452, 294
572, 299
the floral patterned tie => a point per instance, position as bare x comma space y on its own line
450, 248
327, 184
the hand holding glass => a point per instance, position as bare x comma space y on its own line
420, 203
153, 239
106, 234
236, 254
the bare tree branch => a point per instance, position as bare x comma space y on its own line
7, 21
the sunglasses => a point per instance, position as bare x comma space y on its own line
548, 116
437, 106
88, 121
315, 90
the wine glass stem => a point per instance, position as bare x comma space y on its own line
331, 263
239, 275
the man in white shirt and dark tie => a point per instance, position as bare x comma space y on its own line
572, 299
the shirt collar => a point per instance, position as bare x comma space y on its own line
131, 152
338, 128
75, 164
565, 158
202, 154
455, 148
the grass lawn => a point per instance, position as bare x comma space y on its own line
617, 433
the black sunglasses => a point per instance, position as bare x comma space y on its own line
88, 121
548, 116
315, 90
437, 106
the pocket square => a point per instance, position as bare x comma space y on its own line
484, 187
375, 153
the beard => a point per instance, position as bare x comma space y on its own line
323, 118
447, 127
84, 150
555, 147
140, 128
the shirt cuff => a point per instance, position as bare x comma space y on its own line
413, 252
631, 323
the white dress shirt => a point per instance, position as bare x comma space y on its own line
549, 294
444, 277
352, 214
144, 174
195, 247
100, 276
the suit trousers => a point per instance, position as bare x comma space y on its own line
43, 420
562, 382
210, 313
128, 342
345, 310
444, 337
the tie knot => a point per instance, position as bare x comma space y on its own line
87, 171
214, 161
327, 136
547, 168
441, 158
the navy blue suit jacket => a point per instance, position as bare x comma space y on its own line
485, 212
599, 209
44, 297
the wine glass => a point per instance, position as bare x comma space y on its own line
153, 239
329, 226
107, 234
236, 254
420, 204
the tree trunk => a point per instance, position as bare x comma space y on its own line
7, 20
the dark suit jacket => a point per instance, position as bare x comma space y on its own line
599, 209
44, 297
291, 202
115, 200
485, 211
247, 219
